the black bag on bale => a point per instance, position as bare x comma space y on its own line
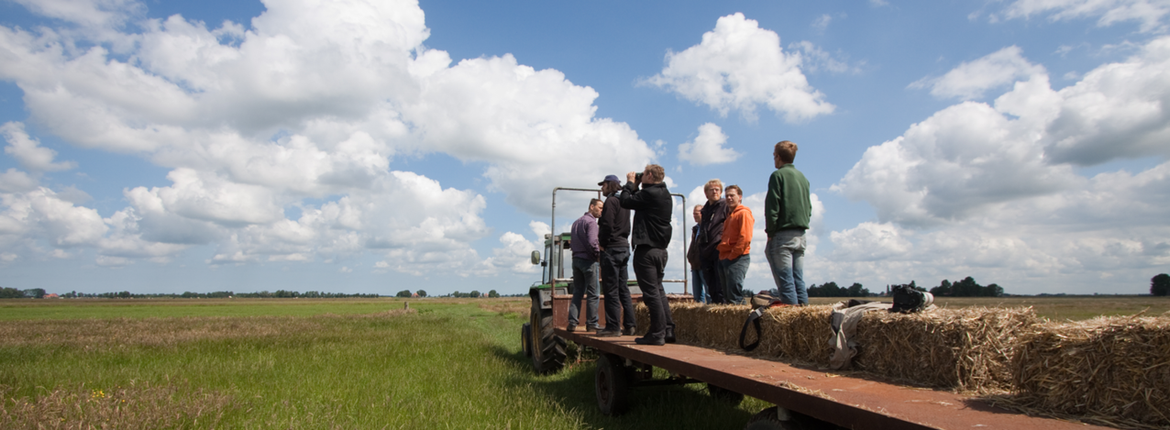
909, 300
760, 303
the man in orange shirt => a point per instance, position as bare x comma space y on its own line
736, 246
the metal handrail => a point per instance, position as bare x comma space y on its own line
685, 233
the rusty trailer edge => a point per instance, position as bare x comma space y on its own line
847, 401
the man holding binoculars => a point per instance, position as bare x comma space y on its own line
647, 195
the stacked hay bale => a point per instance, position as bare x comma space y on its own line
968, 349
1114, 371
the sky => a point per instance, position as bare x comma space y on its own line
378, 146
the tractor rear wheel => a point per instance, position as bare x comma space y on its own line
548, 349
611, 384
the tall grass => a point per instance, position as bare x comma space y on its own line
441, 364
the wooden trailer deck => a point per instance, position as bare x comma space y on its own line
850, 402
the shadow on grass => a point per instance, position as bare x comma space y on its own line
672, 406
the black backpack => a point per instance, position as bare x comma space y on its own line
909, 300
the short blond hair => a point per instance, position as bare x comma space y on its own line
657, 171
786, 149
714, 183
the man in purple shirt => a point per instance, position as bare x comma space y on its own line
586, 251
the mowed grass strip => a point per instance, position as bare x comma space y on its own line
21, 309
441, 364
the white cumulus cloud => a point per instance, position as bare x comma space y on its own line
1150, 14
28, 151
302, 113
992, 190
971, 80
740, 66
707, 148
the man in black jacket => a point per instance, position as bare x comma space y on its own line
652, 207
613, 233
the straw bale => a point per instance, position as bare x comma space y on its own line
1110, 370
967, 349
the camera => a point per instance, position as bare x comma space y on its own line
638, 177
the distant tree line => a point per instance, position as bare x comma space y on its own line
1160, 285
966, 288
475, 294
830, 289
12, 293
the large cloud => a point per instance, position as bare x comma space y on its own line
992, 188
739, 66
302, 113
1119, 110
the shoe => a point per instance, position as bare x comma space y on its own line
669, 338
571, 328
609, 333
591, 327
629, 331
649, 341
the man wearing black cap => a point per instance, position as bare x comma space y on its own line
613, 230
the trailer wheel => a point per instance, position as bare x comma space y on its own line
526, 339
777, 418
769, 419
724, 395
548, 349
611, 384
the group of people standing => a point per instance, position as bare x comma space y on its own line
719, 254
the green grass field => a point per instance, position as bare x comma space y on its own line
362, 363
337, 363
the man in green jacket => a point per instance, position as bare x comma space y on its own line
787, 210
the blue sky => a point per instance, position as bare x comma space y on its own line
373, 147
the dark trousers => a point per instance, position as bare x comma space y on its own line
649, 266
713, 279
614, 276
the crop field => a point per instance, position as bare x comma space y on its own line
337, 363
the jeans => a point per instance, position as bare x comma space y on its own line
785, 252
713, 280
614, 278
734, 271
584, 283
697, 282
649, 265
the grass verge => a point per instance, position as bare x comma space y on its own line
438, 365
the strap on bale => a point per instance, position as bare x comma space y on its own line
753, 317
760, 302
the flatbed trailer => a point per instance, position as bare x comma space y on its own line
804, 398
845, 401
